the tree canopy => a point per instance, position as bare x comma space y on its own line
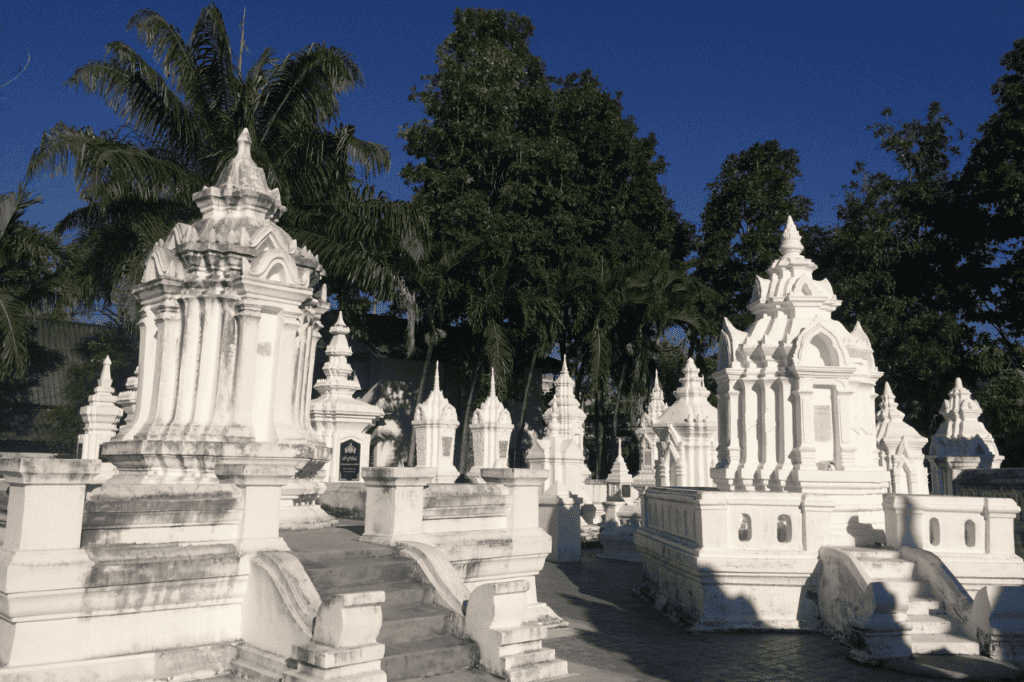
182, 117
548, 223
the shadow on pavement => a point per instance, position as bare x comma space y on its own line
616, 630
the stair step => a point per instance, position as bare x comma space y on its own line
407, 593
409, 623
426, 657
943, 644
921, 606
325, 559
538, 671
889, 569
871, 554
927, 624
528, 658
369, 573
909, 589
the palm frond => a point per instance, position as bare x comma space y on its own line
14, 325
499, 351
108, 169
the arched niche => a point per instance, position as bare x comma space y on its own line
818, 346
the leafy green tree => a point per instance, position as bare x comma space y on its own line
929, 261
888, 262
32, 262
741, 228
545, 208
182, 118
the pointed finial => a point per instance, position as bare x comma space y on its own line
105, 381
957, 385
791, 244
565, 368
492, 383
244, 145
437, 376
887, 392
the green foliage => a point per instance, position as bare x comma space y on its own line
741, 227
32, 261
887, 263
929, 262
182, 118
121, 344
549, 225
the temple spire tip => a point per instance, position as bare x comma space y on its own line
791, 244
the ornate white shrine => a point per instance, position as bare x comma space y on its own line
163, 549
560, 451
647, 437
901, 447
491, 429
100, 416
961, 442
687, 433
342, 421
227, 332
434, 429
796, 398
560, 454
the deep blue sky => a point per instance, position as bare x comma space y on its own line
708, 79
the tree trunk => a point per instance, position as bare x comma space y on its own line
419, 396
615, 411
463, 447
517, 457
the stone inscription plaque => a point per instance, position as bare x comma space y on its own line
348, 461
823, 423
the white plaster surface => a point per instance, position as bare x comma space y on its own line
901, 448
796, 390
961, 442
687, 434
434, 430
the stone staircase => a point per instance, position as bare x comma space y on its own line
415, 630
933, 632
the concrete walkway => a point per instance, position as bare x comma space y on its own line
625, 638
615, 636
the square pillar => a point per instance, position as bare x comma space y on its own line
260, 481
525, 486
46, 503
42, 565
394, 503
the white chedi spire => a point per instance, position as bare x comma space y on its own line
688, 434
560, 451
100, 415
901, 447
619, 473
490, 428
791, 243
692, 397
565, 417
961, 442
961, 415
339, 381
434, 426
491, 411
336, 414
656, 404
647, 437
105, 384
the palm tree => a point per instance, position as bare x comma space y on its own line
181, 122
31, 263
